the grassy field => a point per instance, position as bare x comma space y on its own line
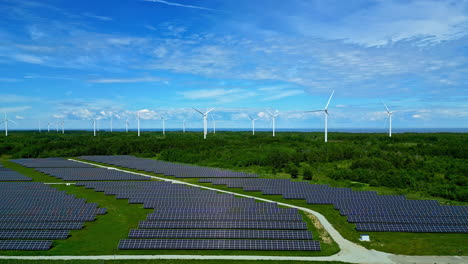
392, 242
102, 236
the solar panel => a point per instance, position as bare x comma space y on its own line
51, 163
304, 245
34, 234
25, 244
41, 225
91, 174
279, 225
225, 216
384, 227
220, 233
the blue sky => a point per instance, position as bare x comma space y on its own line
79, 60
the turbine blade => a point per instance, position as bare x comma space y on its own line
209, 110
329, 99
314, 111
271, 114
250, 117
388, 111
198, 111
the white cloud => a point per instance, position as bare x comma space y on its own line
177, 4
283, 94
28, 58
12, 98
14, 109
19, 117
103, 18
129, 80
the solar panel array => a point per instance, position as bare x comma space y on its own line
91, 174
167, 168
33, 211
192, 218
50, 163
7, 174
369, 210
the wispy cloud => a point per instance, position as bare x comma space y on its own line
130, 80
14, 109
180, 5
13, 98
103, 18
28, 58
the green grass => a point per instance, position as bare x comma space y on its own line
392, 242
162, 261
102, 236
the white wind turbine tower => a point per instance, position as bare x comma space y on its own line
325, 110
61, 123
57, 125
126, 125
94, 126
6, 120
39, 125
253, 123
273, 116
183, 126
111, 119
205, 121
48, 126
163, 125
138, 122
389, 116
214, 124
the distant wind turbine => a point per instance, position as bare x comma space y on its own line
61, 123
138, 122
94, 126
39, 125
111, 119
57, 125
389, 116
273, 116
6, 120
126, 125
214, 124
253, 124
183, 126
325, 110
163, 125
48, 126
205, 121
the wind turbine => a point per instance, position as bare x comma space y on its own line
6, 120
39, 125
111, 119
253, 123
48, 126
126, 125
57, 125
389, 116
273, 116
138, 122
214, 124
325, 110
61, 123
163, 125
94, 126
183, 126
205, 121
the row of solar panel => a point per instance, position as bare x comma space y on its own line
240, 224
220, 244
219, 233
91, 174
25, 244
166, 168
34, 234
50, 163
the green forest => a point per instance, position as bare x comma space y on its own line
434, 164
